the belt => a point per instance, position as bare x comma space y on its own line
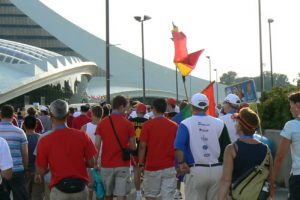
205, 165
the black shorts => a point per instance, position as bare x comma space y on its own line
294, 187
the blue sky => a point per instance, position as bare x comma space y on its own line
227, 30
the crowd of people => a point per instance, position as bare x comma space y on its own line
49, 154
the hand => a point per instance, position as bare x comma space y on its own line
184, 168
38, 178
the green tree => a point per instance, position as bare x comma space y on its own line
228, 78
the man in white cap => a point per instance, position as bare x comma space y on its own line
200, 143
231, 105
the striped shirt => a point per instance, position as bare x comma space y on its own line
15, 138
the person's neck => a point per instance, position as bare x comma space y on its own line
120, 111
83, 113
199, 112
155, 114
95, 121
30, 132
58, 123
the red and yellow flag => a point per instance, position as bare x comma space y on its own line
185, 62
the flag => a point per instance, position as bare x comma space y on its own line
184, 62
187, 111
209, 92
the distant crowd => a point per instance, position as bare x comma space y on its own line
57, 152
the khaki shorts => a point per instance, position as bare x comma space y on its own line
160, 182
116, 181
55, 194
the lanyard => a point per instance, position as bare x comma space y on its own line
247, 137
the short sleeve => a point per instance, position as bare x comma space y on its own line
42, 154
90, 149
131, 130
144, 133
99, 129
182, 138
287, 131
5, 156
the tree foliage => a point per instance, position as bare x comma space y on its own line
274, 108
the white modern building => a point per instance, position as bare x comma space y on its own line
125, 68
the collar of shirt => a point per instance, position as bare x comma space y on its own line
200, 114
6, 123
60, 127
116, 113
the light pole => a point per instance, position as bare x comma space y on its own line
107, 60
260, 49
217, 85
271, 61
142, 19
208, 57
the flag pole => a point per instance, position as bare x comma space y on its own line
176, 71
186, 94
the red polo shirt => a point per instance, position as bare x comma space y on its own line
159, 135
111, 150
79, 121
65, 151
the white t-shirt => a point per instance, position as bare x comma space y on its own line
91, 129
291, 131
6, 161
230, 124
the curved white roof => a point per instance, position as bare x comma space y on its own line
25, 68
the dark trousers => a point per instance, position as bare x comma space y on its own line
294, 187
17, 186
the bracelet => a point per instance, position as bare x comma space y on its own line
141, 165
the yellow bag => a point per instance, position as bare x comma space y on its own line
250, 184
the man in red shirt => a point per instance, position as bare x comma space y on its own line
82, 119
158, 137
115, 170
67, 153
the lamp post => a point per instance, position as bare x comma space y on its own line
107, 59
208, 57
217, 85
142, 19
271, 61
260, 49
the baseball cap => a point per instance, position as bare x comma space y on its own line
232, 99
200, 100
171, 101
44, 108
141, 108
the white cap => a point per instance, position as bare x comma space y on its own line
44, 108
199, 100
232, 99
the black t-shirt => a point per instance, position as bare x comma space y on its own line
137, 123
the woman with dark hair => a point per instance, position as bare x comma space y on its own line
245, 153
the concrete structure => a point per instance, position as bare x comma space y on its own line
25, 21
25, 68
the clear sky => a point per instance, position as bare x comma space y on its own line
227, 30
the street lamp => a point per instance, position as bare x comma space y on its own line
142, 19
217, 85
107, 59
260, 49
208, 57
271, 62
